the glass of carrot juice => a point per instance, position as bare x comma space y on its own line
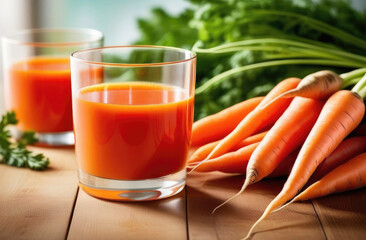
37, 80
133, 113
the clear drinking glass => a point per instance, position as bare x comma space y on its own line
133, 114
37, 80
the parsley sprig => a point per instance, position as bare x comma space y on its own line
15, 153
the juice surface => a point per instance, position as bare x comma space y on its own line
40, 94
132, 131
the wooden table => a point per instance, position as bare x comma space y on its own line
49, 205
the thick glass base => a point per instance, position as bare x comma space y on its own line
132, 190
50, 139
56, 139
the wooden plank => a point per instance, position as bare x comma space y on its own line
99, 219
38, 205
343, 215
232, 221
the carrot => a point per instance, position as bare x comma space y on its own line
236, 162
346, 150
348, 176
288, 134
206, 129
256, 119
284, 168
342, 112
202, 152
232, 162
249, 140
318, 85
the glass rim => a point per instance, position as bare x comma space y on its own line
193, 56
11, 38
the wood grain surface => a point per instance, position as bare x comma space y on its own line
38, 205
48, 205
99, 219
343, 216
233, 220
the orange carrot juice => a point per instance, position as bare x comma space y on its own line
40, 94
132, 131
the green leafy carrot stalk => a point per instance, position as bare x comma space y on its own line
222, 76
228, 35
286, 52
360, 87
15, 153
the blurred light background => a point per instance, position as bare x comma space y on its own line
117, 19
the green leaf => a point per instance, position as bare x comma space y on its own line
28, 137
332, 24
15, 153
8, 119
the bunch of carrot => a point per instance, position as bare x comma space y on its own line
301, 128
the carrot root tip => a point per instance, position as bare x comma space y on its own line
245, 185
252, 175
283, 206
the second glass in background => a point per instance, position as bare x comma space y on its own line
37, 80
